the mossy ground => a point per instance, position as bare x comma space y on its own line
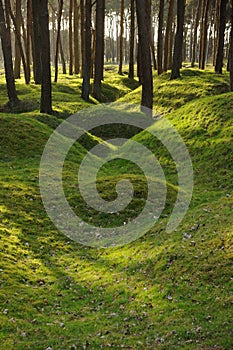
164, 291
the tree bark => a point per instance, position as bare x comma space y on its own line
82, 17
231, 50
29, 36
71, 37
132, 39
197, 19
60, 8
121, 37
142, 9
99, 48
18, 5
160, 38
46, 86
168, 34
222, 27
204, 31
36, 42
87, 65
76, 38
177, 57
7, 55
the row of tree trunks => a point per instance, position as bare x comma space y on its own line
197, 19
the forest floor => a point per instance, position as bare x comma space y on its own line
163, 291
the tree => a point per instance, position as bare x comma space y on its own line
60, 8
197, 19
160, 38
142, 9
36, 42
7, 55
18, 4
87, 65
168, 34
121, 36
71, 37
204, 32
76, 38
99, 48
177, 57
132, 38
231, 49
222, 27
46, 86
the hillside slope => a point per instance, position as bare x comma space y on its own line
164, 291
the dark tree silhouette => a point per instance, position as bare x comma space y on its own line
36, 41
160, 38
132, 38
222, 27
177, 57
87, 65
99, 48
46, 86
60, 8
7, 55
231, 49
142, 8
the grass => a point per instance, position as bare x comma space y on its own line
163, 291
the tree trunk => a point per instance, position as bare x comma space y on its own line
177, 57
18, 38
60, 8
160, 38
71, 37
7, 55
63, 61
46, 88
142, 9
87, 66
151, 36
99, 48
216, 29
197, 19
121, 37
222, 27
76, 38
204, 31
36, 42
18, 5
132, 39
82, 17
29, 36
231, 50
168, 34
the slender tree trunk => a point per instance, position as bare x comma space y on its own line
46, 86
36, 42
121, 37
71, 37
222, 27
99, 48
168, 34
216, 29
60, 8
139, 64
142, 9
7, 55
204, 31
63, 61
93, 44
18, 38
29, 36
151, 36
82, 17
160, 38
18, 4
177, 57
132, 39
87, 66
76, 38
231, 50
197, 19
